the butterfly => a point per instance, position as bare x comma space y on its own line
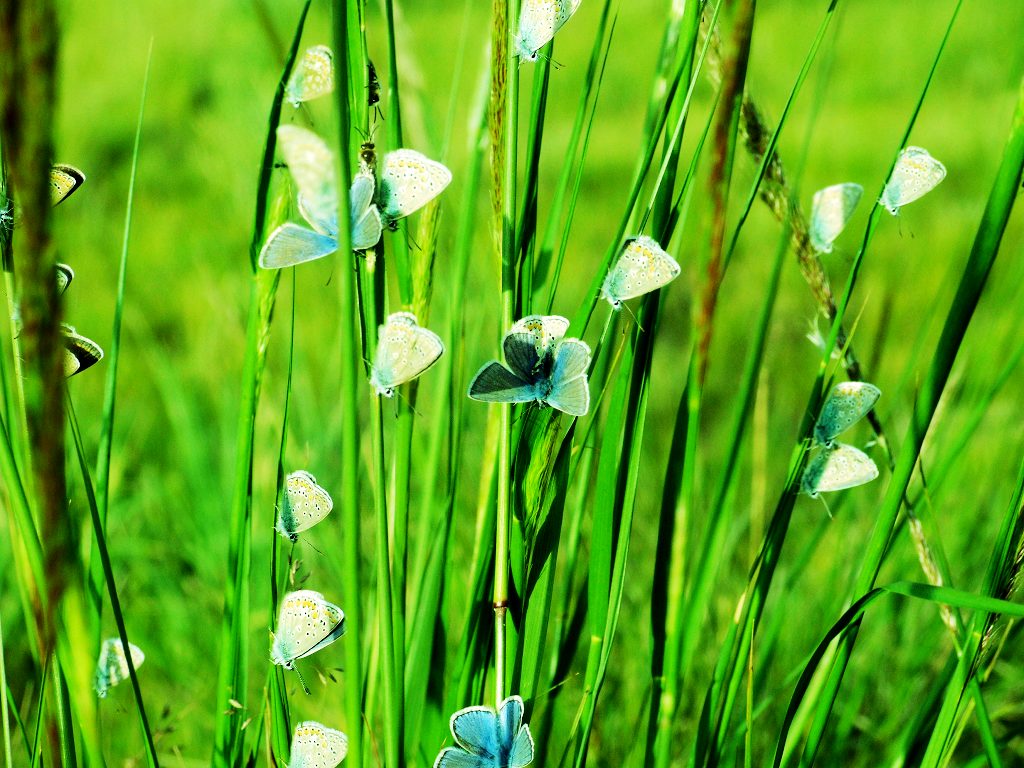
64, 180
112, 667
79, 352
313, 77
311, 163
317, 746
836, 468
489, 739
65, 274
539, 20
306, 504
408, 181
915, 174
642, 267
847, 403
306, 624
831, 209
404, 351
552, 372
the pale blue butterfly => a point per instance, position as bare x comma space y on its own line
112, 667
312, 77
915, 174
311, 163
539, 20
305, 505
317, 746
837, 468
552, 372
642, 267
830, 210
408, 181
847, 403
79, 352
489, 739
404, 351
306, 623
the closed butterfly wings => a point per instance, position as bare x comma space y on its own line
112, 667
306, 624
317, 746
489, 739
312, 77
64, 180
80, 352
915, 174
404, 351
642, 267
830, 210
408, 181
539, 20
305, 505
847, 403
837, 468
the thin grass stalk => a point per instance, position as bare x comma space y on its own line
107, 571
975, 274
351, 359
504, 59
279, 734
585, 121
102, 472
232, 677
5, 712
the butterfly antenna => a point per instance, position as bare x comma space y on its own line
827, 508
302, 682
631, 314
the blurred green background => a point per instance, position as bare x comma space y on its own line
214, 69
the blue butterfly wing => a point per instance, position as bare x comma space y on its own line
569, 391
476, 730
291, 244
516, 742
521, 354
521, 754
494, 383
453, 757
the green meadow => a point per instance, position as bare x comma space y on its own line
652, 578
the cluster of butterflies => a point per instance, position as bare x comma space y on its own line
80, 352
408, 179
915, 174
838, 466
112, 667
